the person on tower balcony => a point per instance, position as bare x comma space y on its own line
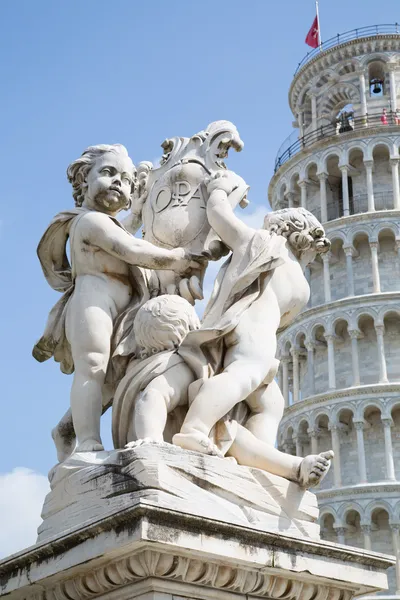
384, 119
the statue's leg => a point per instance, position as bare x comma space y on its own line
266, 405
89, 328
63, 433
159, 398
249, 357
64, 436
251, 452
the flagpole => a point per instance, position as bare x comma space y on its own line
319, 26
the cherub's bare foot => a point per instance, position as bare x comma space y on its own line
90, 446
313, 468
65, 442
196, 441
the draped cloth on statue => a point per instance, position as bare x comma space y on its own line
60, 275
202, 350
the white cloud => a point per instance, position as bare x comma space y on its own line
22, 493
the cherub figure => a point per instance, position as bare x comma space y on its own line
104, 279
259, 290
157, 383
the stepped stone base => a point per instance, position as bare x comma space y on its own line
92, 484
150, 539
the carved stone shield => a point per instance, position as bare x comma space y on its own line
175, 211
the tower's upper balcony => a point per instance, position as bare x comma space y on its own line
352, 82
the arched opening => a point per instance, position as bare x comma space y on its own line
338, 273
368, 350
383, 189
328, 532
304, 438
317, 295
295, 190
395, 431
362, 265
374, 445
354, 535
358, 198
344, 118
333, 188
381, 535
348, 446
320, 360
389, 270
376, 79
313, 195
391, 322
343, 359
324, 444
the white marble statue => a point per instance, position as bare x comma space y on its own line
105, 278
260, 289
157, 383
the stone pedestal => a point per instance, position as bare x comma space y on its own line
142, 546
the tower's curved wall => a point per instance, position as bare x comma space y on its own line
340, 359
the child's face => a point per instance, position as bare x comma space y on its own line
109, 183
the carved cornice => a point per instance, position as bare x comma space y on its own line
346, 394
191, 570
322, 311
347, 493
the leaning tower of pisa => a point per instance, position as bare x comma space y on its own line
340, 359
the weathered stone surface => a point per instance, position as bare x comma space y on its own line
90, 485
150, 552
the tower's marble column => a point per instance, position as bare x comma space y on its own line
322, 190
366, 529
375, 267
327, 276
285, 377
390, 472
331, 360
303, 190
337, 476
310, 367
345, 187
314, 434
392, 82
370, 184
355, 334
296, 374
314, 112
341, 532
359, 427
290, 199
381, 353
395, 527
349, 269
363, 98
297, 441
394, 163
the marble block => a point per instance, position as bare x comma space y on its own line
148, 552
92, 485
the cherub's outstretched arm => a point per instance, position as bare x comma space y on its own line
232, 231
100, 231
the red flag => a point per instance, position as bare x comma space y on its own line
312, 38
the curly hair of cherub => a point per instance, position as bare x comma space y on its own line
301, 228
162, 323
78, 170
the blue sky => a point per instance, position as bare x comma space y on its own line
85, 72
